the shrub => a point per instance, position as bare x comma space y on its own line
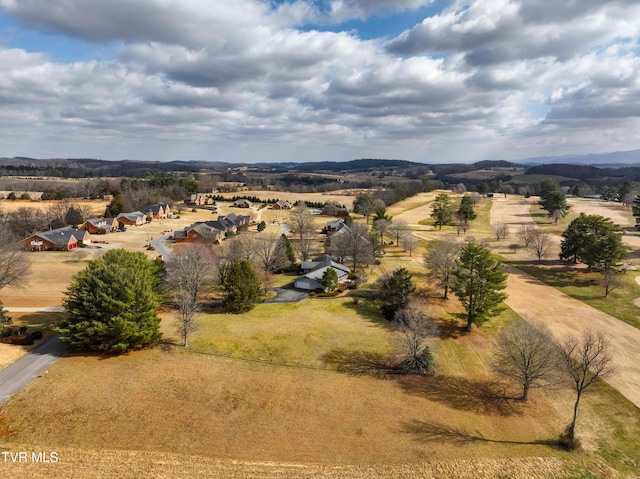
22, 330
6, 333
26, 341
36, 335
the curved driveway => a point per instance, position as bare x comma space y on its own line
18, 374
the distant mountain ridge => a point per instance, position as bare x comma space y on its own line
606, 160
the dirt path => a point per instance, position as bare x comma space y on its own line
563, 315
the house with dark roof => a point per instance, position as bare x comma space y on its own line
199, 233
313, 270
95, 225
135, 218
157, 210
59, 239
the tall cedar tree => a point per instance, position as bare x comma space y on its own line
477, 282
396, 290
635, 210
441, 210
552, 199
466, 211
111, 305
241, 286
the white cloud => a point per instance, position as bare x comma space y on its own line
235, 78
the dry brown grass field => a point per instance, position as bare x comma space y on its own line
341, 197
173, 413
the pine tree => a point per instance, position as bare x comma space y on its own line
478, 282
111, 305
396, 290
242, 288
441, 210
552, 199
635, 210
466, 211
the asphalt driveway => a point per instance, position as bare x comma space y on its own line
285, 295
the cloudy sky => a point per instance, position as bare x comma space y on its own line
309, 80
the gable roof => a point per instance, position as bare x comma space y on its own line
155, 208
316, 267
100, 222
133, 216
62, 236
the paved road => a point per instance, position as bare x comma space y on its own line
17, 375
160, 247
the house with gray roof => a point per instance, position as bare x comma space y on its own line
313, 270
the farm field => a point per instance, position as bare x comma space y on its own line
340, 197
298, 404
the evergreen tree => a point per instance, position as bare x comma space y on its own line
593, 240
635, 210
330, 279
285, 256
552, 199
115, 207
4, 319
396, 290
242, 288
111, 305
441, 210
466, 211
73, 216
478, 282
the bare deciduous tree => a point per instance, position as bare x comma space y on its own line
189, 272
25, 221
540, 244
415, 330
409, 242
585, 359
266, 252
440, 262
610, 280
500, 230
526, 234
397, 230
14, 264
248, 246
527, 355
353, 243
303, 227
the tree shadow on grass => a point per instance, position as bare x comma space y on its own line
368, 308
360, 362
452, 327
433, 431
476, 395
554, 277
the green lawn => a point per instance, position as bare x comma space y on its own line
295, 332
